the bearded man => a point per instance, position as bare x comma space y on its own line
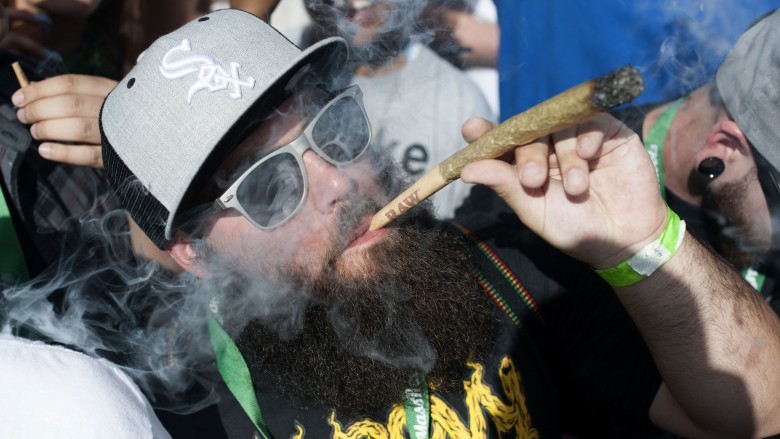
716, 151
229, 149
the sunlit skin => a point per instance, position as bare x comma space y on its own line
303, 241
701, 130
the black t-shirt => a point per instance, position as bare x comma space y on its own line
575, 363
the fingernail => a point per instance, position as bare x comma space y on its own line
531, 170
18, 98
20, 115
575, 178
44, 149
583, 145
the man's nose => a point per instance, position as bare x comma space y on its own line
328, 184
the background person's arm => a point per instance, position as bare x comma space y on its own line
261, 8
479, 37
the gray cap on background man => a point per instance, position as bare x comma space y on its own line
749, 84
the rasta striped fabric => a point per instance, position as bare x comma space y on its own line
525, 305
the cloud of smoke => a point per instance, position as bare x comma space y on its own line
101, 300
696, 37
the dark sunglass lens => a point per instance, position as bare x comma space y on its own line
342, 131
272, 192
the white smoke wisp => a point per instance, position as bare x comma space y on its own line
696, 37
103, 301
375, 30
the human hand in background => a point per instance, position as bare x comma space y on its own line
63, 114
22, 32
478, 36
260, 8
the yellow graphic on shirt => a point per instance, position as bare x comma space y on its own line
508, 414
299, 432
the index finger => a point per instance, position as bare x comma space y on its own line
63, 85
475, 127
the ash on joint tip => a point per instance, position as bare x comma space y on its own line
617, 88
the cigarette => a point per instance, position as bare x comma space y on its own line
20, 76
562, 111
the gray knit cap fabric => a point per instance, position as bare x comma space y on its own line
749, 84
191, 98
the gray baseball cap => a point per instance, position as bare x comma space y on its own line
749, 84
193, 95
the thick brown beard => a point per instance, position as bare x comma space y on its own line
362, 342
725, 208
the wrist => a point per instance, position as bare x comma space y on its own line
651, 257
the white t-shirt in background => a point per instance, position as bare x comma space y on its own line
49, 391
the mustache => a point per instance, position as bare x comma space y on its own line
349, 215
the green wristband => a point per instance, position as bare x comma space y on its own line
650, 258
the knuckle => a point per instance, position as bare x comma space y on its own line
96, 158
88, 129
76, 103
65, 82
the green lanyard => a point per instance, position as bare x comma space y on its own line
654, 141
417, 410
654, 144
754, 277
12, 264
235, 373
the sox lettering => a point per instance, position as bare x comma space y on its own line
210, 75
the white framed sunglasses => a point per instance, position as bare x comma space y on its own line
274, 188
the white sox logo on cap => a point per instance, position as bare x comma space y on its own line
210, 75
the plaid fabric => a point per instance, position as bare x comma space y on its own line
47, 199
50, 199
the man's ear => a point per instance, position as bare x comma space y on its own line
726, 142
183, 252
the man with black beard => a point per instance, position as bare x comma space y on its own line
367, 335
230, 150
717, 152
